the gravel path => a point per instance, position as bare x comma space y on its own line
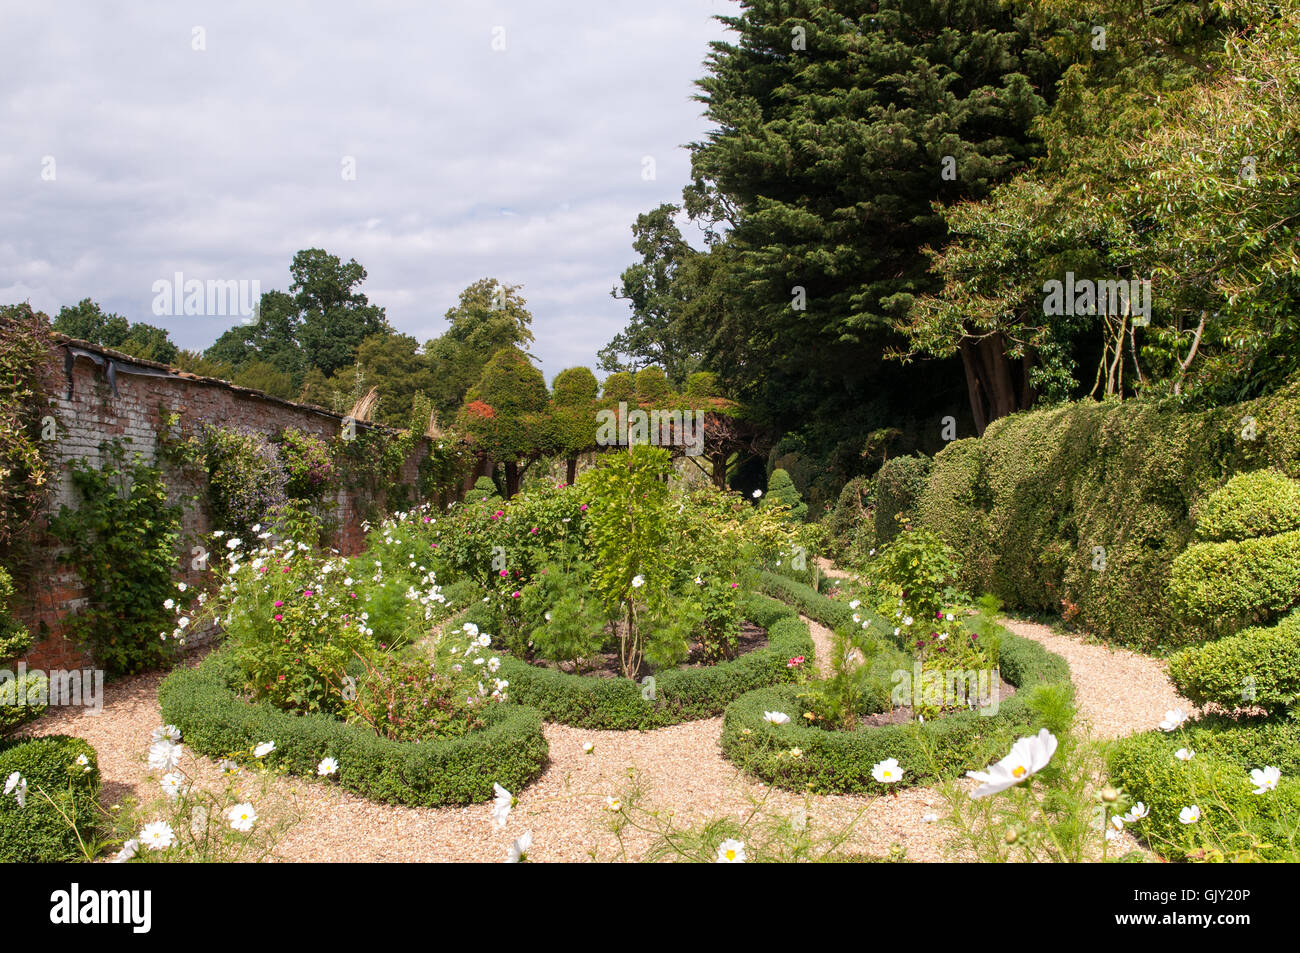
680, 770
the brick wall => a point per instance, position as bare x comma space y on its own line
94, 413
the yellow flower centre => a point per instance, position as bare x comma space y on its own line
731, 854
1019, 771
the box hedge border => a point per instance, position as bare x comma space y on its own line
683, 694
840, 762
38, 833
203, 702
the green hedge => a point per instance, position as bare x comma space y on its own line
1222, 586
808, 601
841, 761
682, 694
204, 704
38, 833
1026, 505
1261, 503
1265, 659
1145, 767
899, 483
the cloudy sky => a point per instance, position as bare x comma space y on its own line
127, 154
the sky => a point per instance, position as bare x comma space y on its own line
436, 143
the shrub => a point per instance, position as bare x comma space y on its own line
671, 696
246, 478
898, 484
702, 384
14, 637
1260, 503
781, 491
204, 703
1085, 507
850, 525
14, 641
484, 487
1233, 818
26, 460
799, 757
1221, 586
308, 465
40, 832
651, 384
121, 541
1254, 667
619, 386
574, 387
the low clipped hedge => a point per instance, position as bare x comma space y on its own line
39, 832
1222, 586
1145, 766
204, 703
683, 694
1260, 503
840, 762
808, 601
1264, 660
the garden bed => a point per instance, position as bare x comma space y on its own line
680, 694
205, 704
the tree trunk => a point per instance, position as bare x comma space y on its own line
989, 385
571, 474
512, 478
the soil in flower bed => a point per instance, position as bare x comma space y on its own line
901, 716
607, 665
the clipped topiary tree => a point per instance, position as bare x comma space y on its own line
574, 387
619, 386
484, 487
573, 416
781, 490
702, 384
899, 483
507, 399
652, 384
1259, 503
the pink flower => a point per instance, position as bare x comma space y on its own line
735, 585
515, 594
278, 617
583, 508
308, 592
503, 574
533, 530
795, 662
278, 603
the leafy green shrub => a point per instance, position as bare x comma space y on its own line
1082, 509
1260, 503
672, 696
26, 459
121, 540
702, 384
15, 639
40, 832
781, 491
204, 702
308, 465
1221, 586
564, 619
619, 386
1235, 823
651, 384
1258, 666
899, 483
850, 525
799, 757
246, 478
1248, 740
484, 488
574, 387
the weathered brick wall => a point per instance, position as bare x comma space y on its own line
93, 414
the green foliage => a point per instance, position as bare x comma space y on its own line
850, 525
1221, 586
205, 703
898, 485
619, 386
308, 464
1256, 667
26, 465
409, 699
564, 619
1235, 823
676, 695
86, 321
702, 384
246, 478
575, 386
781, 491
916, 573
121, 540
15, 639
651, 385
62, 800
1083, 509
484, 488
1260, 503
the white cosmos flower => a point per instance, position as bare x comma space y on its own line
520, 848
1136, 813
1265, 779
757, 494
589, 747
887, 771
1173, 718
1028, 756
501, 807
929, 818
265, 748
775, 717
731, 851
1184, 754
170, 732
613, 804
855, 603
172, 784
242, 817
127, 852
1189, 815
164, 755
16, 782
638, 582
907, 620
158, 835
327, 767
169, 604
83, 762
